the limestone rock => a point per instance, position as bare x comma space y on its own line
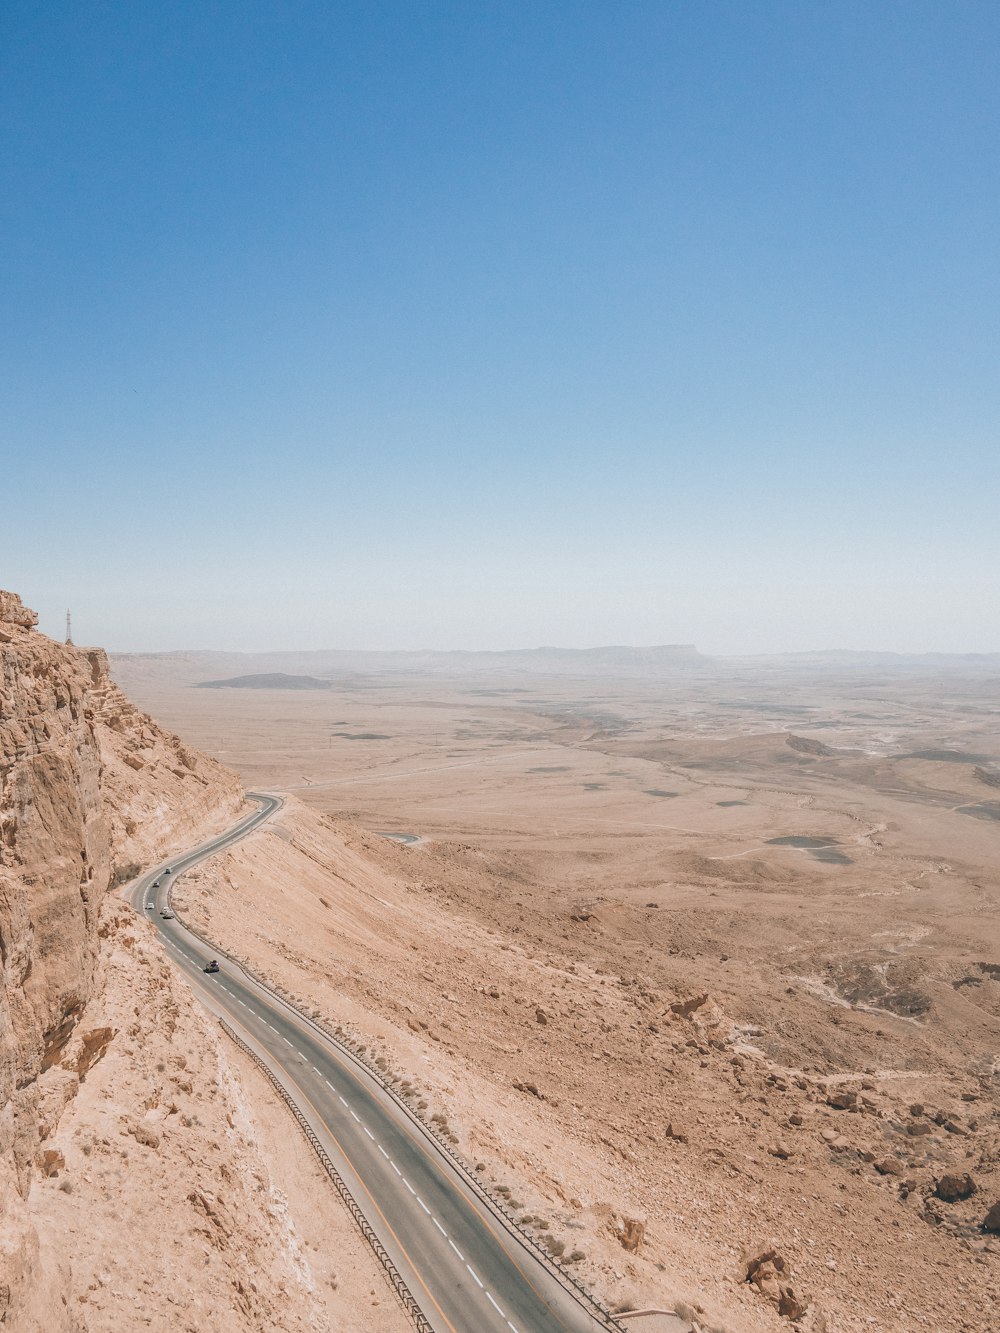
629, 1232
770, 1275
51, 1162
14, 612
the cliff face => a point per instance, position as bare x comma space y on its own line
90, 789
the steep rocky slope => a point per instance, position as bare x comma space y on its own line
89, 788
148, 1178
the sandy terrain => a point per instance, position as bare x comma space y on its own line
676, 1037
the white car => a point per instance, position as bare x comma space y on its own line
167, 914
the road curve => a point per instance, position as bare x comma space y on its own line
468, 1269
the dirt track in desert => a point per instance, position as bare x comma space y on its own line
694, 968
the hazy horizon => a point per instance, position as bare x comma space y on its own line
53, 625
586, 325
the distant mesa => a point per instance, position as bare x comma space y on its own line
269, 680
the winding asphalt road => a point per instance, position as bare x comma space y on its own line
467, 1268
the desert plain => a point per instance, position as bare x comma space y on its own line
699, 967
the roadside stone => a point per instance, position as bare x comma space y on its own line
991, 1222
780, 1150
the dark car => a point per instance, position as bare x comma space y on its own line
213, 966
167, 871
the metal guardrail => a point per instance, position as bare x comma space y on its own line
560, 1271
396, 1280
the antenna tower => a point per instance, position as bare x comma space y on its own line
69, 631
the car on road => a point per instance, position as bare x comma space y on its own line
150, 905
167, 914
156, 883
167, 871
213, 966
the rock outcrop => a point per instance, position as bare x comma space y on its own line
90, 789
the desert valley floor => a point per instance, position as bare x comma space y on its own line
699, 971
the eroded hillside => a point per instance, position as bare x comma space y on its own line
144, 1175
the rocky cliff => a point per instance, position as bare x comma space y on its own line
90, 790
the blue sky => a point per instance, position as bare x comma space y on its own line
490, 325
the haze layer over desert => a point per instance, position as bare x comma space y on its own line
697, 959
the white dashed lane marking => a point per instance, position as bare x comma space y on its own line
474, 1274
439, 1226
495, 1306
456, 1249
423, 1205
368, 1132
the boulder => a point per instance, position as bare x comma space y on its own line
918, 1128
991, 1222
954, 1186
843, 1100
889, 1166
